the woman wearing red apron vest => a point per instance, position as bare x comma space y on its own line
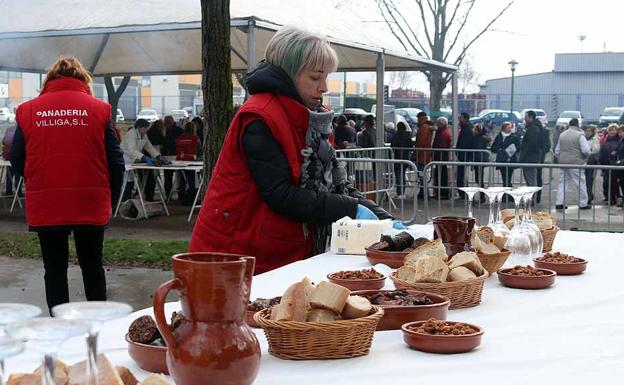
68, 152
277, 186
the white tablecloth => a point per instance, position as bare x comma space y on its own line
571, 333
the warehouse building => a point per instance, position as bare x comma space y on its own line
586, 82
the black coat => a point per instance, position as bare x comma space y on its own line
465, 141
609, 150
402, 139
480, 142
270, 170
500, 144
532, 145
170, 139
344, 133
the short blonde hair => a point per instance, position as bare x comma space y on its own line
68, 67
505, 124
293, 50
612, 127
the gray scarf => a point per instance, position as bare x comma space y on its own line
321, 170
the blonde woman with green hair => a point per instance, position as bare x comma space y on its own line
277, 185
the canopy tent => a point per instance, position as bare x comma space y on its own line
149, 37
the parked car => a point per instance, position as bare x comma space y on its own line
179, 114
410, 116
611, 115
495, 118
6, 115
149, 115
539, 113
120, 116
566, 116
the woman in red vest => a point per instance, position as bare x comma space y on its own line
277, 186
187, 147
67, 150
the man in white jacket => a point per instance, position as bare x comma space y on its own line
572, 148
133, 144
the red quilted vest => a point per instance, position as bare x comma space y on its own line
186, 147
66, 171
233, 217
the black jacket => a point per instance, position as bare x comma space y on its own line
344, 133
402, 139
480, 142
609, 150
170, 139
367, 138
532, 146
465, 141
269, 168
500, 144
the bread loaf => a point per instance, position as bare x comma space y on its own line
320, 315
295, 302
327, 295
61, 373
126, 375
406, 273
154, 379
430, 269
509, 214
486, 234
356, 307
469, 260
26, 379
500, 241
433, 248
488, 248
460, 273
543, 220
107, 374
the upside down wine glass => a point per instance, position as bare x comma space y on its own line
518, 241
11, 312
470, 193
499, 227
94, 313
46, 335
528, 224
492, 194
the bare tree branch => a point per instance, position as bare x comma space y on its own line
423, 52
452, 19
398, 25
459, 31
422, 17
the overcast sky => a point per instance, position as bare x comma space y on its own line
531, 32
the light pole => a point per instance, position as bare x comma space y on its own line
513, 65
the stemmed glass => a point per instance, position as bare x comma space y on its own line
11, 312
470, 193
94, 313
518, 241
47, 334
492, 194
499, 227
9, 347
528, 224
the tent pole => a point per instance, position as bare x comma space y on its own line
251, 44
379, 119
455, 106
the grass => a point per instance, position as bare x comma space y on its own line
117, 252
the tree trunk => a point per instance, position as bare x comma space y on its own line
437, 84
216, 80
115, 94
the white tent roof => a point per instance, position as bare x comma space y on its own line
118, 37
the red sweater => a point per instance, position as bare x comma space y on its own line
186, 147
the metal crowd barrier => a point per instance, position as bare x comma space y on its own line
603, 189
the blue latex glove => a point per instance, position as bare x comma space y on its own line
147, 160
364, 213
398, 225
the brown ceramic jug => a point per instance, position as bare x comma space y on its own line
455, 233
213, 345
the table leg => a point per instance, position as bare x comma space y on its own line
162, 194
140, 190
123, 190
201, 177
16, 196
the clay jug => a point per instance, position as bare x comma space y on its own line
455, 233
213, 345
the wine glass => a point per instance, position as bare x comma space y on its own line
499, 227
528, 223
46, 335
470, 193
518, 241
9, 347
492, 194
94, 313
11, 312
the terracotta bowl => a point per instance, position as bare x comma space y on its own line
393, 259
359, 284
563, 268
396, 315
148, 357
441, 344
519, 282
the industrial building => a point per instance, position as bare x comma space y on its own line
586, 82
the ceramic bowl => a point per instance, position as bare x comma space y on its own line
359, 284
393, 259
522, 282
563, 268
397, 315
441, 344
148, 357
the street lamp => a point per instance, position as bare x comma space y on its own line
513, 65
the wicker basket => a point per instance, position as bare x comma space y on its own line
292, 340
462, 294
493, 262
549, 237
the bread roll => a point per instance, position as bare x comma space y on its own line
430, 269
26, 379
329, 296
406, 273
126, 375
500, 241
295, 302
543, 220
356, 307
460, 273
469, 260
154, 379
433, 248
107, 374
486, 234
320, 315
488, 248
